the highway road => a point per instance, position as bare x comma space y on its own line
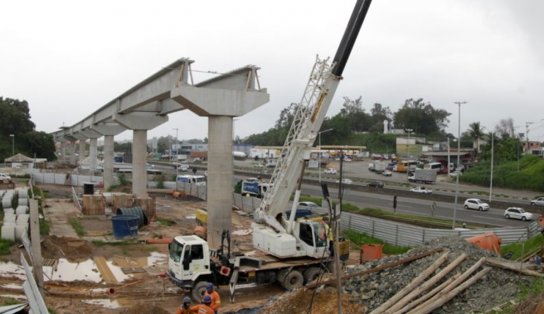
417, 206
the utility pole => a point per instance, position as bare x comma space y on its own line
458, 103
176, 142
491, 177
338, 268
527, 135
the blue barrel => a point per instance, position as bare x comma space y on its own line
125, 226
136, 211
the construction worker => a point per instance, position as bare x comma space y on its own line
329, 234
185, 307
216, 299
204, 307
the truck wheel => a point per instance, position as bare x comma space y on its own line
291, 280
312, 274
198, 291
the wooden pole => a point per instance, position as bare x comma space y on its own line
36, 258
427, 284
454, 284
412, 285
377, 269
428, 295
514, 266
437, 303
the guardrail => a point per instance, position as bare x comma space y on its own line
401, 234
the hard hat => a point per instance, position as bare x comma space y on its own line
209, 286
207, 299
186, 300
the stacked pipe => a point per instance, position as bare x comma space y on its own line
8, 228
16, 221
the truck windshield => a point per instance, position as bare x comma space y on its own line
175, 249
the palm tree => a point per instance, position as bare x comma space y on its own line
475, 131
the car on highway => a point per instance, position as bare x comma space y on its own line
375, 184
387, 173
421, 189
539, 201
330, 171
476, 203
304, 210
345, 181
517, 213
309, 205
183, 167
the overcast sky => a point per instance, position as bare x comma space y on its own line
68, 58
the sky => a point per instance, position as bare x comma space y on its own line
68, 58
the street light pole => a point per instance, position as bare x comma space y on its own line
176, 142
319, 154
491, 177
12, 144
449, 160
459, 103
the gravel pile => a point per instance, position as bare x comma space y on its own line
497, 287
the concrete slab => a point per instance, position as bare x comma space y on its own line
57, 213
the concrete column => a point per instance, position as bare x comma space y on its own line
220, 176
139, 154
81, 150
63, 151
92, 155
108, 161
73, 159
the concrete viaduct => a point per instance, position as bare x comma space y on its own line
147, 105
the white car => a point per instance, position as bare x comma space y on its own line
517, 213
183, 167
345, 181
330, 171
421, 189
538, 201
387, 173
476, 203
4, 177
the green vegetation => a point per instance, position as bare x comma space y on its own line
361, 238
5, 246
165, 222
78, 228
160, 181
521, 249
15, 119
505, 174
122, 179
10, 301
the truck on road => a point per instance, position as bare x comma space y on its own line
423, 176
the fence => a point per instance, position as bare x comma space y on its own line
65, 178
407, 235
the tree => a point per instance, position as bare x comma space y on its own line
422, 118
15, 119
378, 114
475, 131
505, 127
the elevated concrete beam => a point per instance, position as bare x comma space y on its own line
140, 120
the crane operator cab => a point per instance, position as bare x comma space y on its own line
306, 239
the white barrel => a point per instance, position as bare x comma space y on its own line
21, 210
22, 192
22, 201
9, 211
9, 218
8, 232
20, 230
6, 202
22, 219
2, 192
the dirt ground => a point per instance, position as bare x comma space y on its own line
148, 290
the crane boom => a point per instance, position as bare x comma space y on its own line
309, 116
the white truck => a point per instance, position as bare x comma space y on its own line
377, 166
423, 176
291, 252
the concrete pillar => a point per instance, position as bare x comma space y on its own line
63, 151
92, 155
81, 151
139, 154
73, 159
220, 176
108, 161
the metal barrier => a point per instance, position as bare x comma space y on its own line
407, 235
76, 199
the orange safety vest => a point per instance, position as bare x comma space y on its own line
201, 309
216, 300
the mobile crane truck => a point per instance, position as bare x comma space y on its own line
291, 252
